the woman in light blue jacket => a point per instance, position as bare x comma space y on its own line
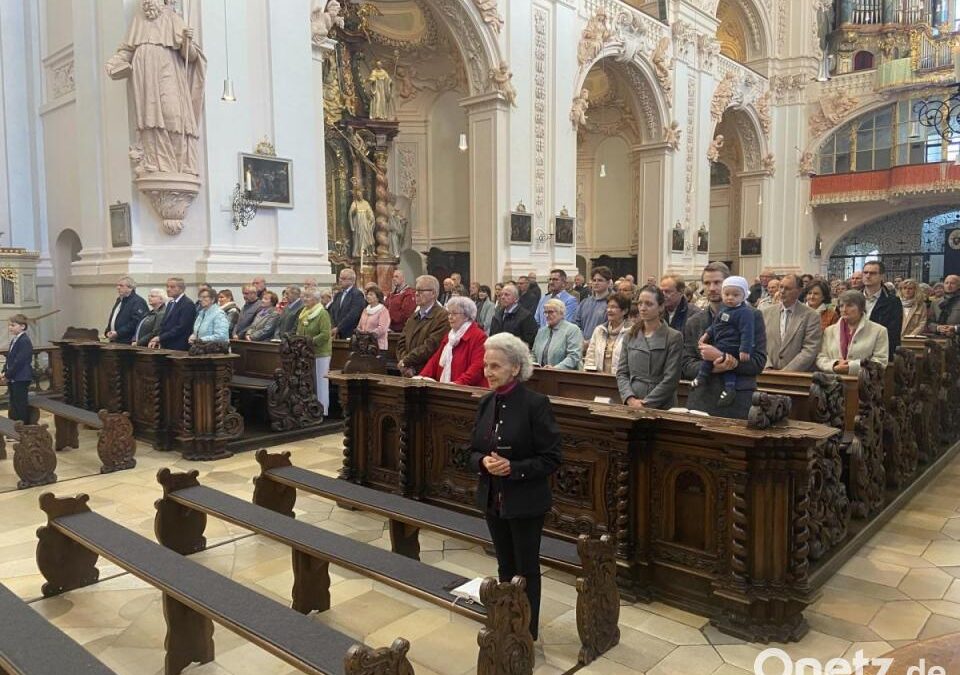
559, 344
212, 324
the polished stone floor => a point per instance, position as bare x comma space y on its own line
902, 587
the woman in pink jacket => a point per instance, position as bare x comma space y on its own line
375, 318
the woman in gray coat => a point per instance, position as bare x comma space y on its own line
649, 368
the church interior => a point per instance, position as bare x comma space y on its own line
243, 438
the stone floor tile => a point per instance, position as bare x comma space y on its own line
943, 553
900, 620
926, 584
688, 660
848, 606
865, 569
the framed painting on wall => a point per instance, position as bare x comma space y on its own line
563, 229
521, 227
268, 179
750, 246
120, 233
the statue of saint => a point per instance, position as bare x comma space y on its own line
398, 232
824, 22
381, 94
362, 222
167, 70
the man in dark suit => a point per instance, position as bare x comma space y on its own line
127, 312
346, 307
177, 325
529, 293
287, 323
883, 305
677, 309
511, 318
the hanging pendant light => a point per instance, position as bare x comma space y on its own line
603, 170
462, 146
806, 211
228, 95
760, 200
845, 219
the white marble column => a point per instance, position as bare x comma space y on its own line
297, 111
651, 178
487, 205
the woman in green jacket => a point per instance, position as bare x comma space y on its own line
314, 322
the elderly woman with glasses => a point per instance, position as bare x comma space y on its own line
852, 339
459, 359
559, 344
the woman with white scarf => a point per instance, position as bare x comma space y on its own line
314, 322
459, 359
915, 308
375, 318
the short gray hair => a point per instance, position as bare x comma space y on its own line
162, 292
463, 304
293, 291
853, 298
512, 288
557, 304
428, 281
516, 351
128, 282
311, 292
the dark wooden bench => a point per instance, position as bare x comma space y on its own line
116, 445
33, 457
598, 599
181, 520
194, 597
32, 645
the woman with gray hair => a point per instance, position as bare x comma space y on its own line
559, 344
852, 339
514, 448
459, 359
313, 322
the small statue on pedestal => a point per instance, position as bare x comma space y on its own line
381, 94
361, 221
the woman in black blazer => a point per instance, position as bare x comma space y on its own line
515, 448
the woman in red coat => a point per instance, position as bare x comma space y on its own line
459, 359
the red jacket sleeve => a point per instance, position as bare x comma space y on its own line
473, 375
432, 369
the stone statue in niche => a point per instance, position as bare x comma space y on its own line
713, 152
362, 221
578, 113
381, 94
824, 9
323, 19
167, 72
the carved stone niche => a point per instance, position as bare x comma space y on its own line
171, 195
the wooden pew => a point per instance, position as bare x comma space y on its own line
194, 597
289, 389
181, 518
116, 446
29, 644
598, 600
33, 457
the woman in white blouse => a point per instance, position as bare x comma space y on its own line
603, 352
852, 339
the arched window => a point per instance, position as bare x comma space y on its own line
862, 61
883, 138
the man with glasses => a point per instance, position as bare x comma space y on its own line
557, 288
593, 310
883, 305
424, 330
677, 309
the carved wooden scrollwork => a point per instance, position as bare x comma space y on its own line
64, 563
34, 460
768, 410
506, 646
738, 532
347, 403
292, 396
867, 473
829, 506
364, 355
950, 392
116, 445
598, 600
900, 444
392, 660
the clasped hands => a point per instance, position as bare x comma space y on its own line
496, 465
